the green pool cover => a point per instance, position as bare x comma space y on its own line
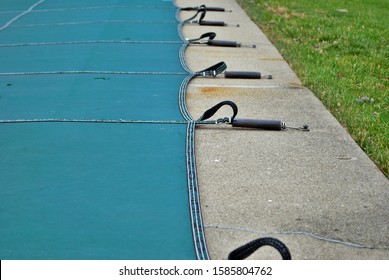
96, 156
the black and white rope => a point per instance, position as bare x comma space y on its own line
194, 198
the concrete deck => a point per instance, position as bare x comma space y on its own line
316, 191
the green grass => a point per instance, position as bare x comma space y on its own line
340, 50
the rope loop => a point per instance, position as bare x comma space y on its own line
213, 71
246, 250
209, 35
210, 112
201, 10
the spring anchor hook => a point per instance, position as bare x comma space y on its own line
305, 127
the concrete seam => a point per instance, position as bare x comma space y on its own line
322, 238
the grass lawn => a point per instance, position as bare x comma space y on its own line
340, 51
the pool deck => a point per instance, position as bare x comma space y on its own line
316, 191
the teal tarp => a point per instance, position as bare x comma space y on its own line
92, 190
